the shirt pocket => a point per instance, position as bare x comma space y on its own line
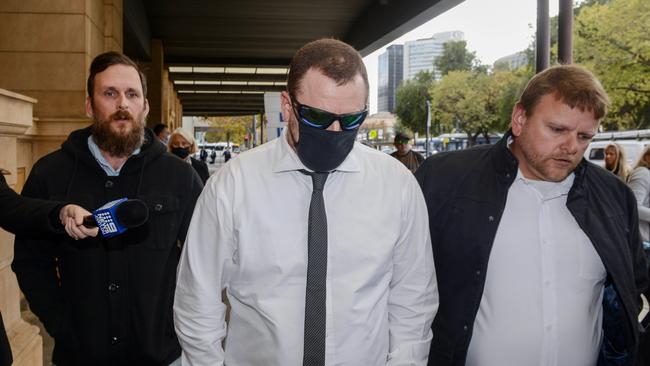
164, 221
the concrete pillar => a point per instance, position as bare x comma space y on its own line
15, 120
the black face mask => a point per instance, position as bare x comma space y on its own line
181, 152
322, 150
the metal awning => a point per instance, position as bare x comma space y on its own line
223, 55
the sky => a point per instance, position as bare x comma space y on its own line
493, 29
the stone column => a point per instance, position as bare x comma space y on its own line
45, 50
15, 120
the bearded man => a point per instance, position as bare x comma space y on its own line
537, 251
108, 301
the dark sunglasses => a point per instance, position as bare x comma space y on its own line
321, 119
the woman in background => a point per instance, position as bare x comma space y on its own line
183, 145
615, 161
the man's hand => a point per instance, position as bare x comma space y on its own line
72, 217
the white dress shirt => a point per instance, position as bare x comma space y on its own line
542, 302
248, 236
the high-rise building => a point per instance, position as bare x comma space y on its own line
512, 62
419, 55
390, 77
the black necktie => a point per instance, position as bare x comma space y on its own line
315, 311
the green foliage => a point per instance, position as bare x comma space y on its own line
455, 57
228, 129
410, 102
613, 40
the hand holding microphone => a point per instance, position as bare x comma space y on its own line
117, 216
72, 217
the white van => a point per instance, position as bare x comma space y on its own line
595, 153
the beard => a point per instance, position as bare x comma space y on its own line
121, 142
543, 165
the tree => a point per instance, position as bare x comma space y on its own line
231, 129
410, 102
613, 40
455, 57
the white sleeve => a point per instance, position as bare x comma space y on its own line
199, 311
640, 184
413, 299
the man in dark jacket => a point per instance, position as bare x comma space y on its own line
411, 159
537, 251
29, 216
109, 300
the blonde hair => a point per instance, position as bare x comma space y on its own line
180, 132
620, 168
642, 162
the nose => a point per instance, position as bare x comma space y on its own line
335, 126
121, 102
570, 145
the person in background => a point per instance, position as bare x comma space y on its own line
639, 182
537, 250
29, 216
162, 132
183, 145
226, 155
615, 161
404, 153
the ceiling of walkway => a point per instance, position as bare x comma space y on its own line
224, 54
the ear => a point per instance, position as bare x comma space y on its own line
89, 107
146, 107
518, 119
285, 105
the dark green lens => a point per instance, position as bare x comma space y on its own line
315, 116
352, 119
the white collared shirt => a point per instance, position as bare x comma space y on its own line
248, 236
101, 160
542, 302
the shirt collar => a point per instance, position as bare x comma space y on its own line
286, 158
103, 163
548, 190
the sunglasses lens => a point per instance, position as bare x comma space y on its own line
316, 117
352, 120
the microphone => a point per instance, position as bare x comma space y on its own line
116, 216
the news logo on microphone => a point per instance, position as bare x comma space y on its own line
106, 219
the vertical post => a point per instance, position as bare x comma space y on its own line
565, 32
428, 127
254, 134
543, 37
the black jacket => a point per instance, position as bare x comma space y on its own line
201, 169
109, 301
466, 193
27, 216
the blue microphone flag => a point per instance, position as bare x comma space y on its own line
107, 220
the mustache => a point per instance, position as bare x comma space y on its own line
121, 114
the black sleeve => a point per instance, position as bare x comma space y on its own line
201, 169
35, 265
195, 187
27, 216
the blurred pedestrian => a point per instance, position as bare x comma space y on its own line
404, 153
183, 145
615, 161
537, 250
226, 155
161, 131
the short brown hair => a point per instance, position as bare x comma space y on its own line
108, 59
574, 85
335, 59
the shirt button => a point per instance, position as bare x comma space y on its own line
508, 175
490, 218
113, 287
478, 273
109, 184
114, 340
158, 207
465, 327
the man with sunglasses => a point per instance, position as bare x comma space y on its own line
320, 261
411, 159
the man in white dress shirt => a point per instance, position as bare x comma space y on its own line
249, 239
537, 251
